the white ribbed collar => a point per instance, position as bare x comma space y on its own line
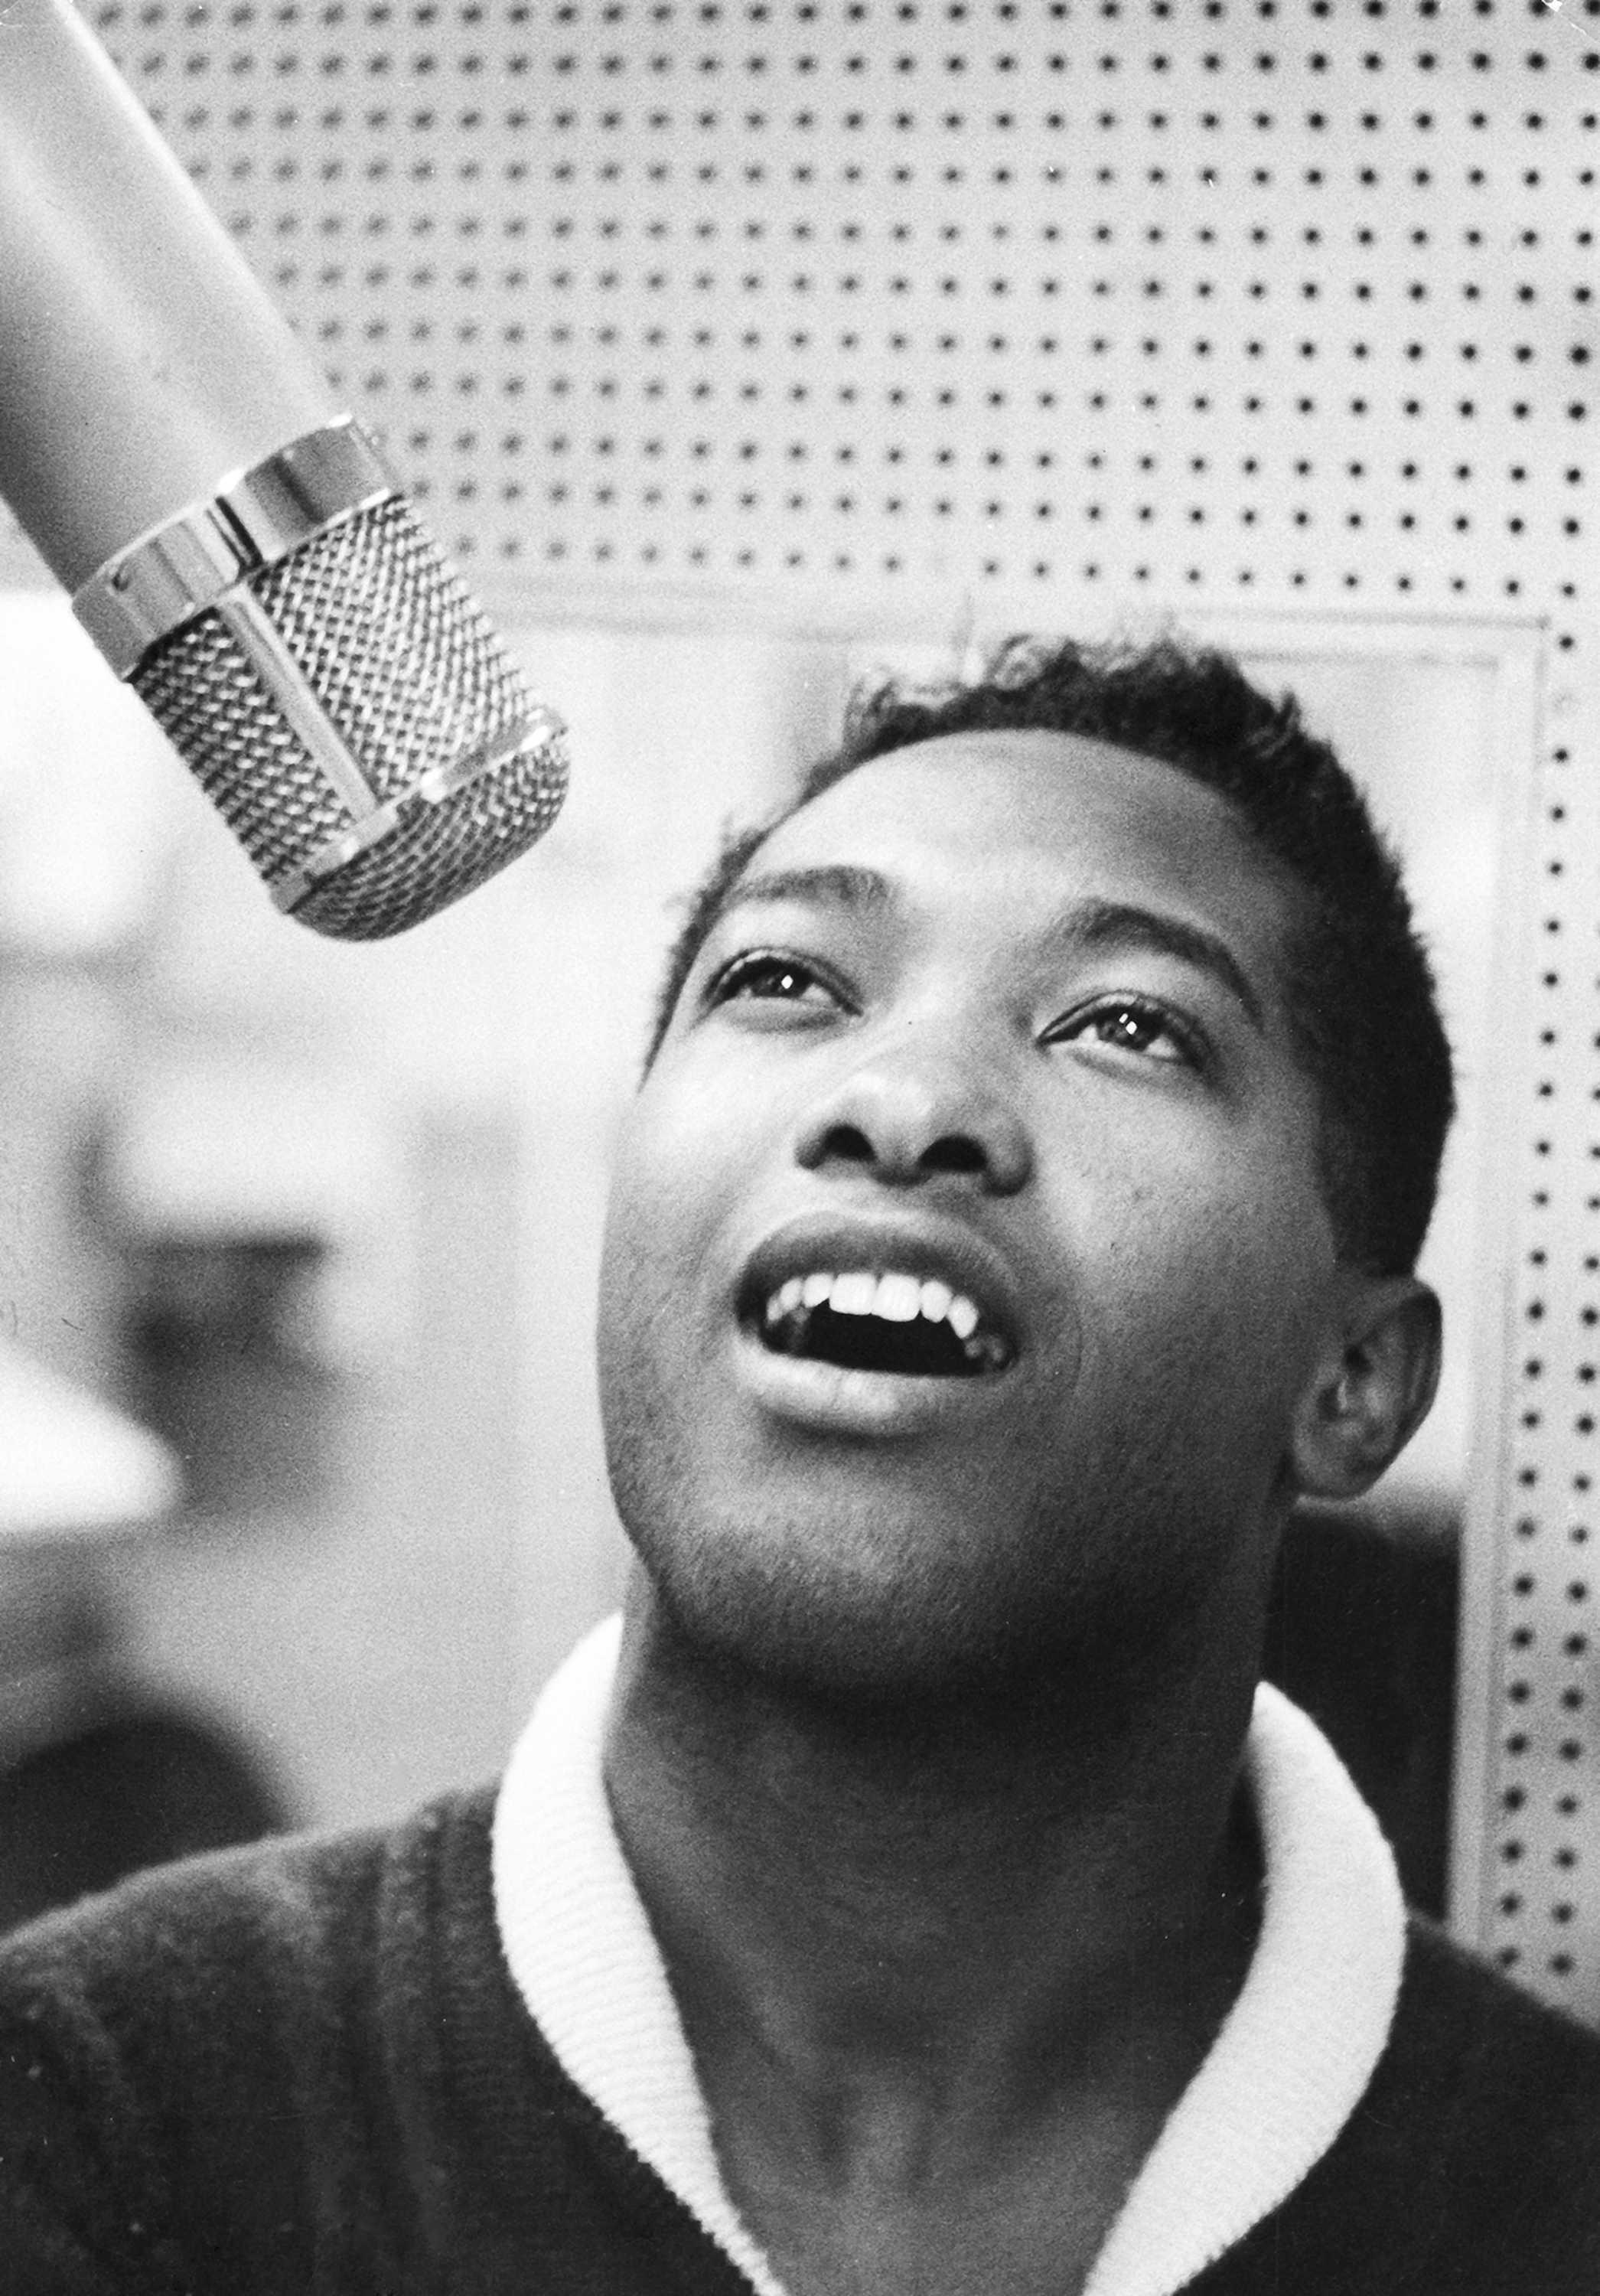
1292, 2061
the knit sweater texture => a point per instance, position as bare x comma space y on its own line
1287, 2066
305, 2070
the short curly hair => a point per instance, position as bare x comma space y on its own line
1361, 1002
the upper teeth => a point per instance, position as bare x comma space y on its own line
898, 1298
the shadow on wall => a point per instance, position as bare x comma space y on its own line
100, 1773
1362, 1633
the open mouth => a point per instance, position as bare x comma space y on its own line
916, 1328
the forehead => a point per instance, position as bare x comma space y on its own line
1020, 815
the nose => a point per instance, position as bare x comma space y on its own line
906, 1119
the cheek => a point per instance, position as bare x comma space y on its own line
678, 1167
1216, 1276
642, 1247
672, 1135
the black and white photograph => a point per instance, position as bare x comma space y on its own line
799, 1148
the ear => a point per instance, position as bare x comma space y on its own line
1372, 1387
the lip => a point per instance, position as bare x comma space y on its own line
831, 1399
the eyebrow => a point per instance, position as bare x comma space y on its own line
1125, 924
1084, 926
839, 883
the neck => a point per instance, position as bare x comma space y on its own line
948, 1910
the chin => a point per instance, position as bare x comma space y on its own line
901, 1640
871, 1579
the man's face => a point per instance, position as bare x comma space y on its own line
967, 1256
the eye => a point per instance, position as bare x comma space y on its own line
770, 976
1131, 1024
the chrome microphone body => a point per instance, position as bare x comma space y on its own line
236, 545
334, 688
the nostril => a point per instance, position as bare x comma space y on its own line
849, 1141
955, 1151
908, 1128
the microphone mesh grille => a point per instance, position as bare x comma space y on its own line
413, 678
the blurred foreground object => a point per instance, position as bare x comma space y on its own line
98, 1775
71, 1465
254, 1198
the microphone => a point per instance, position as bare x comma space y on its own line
236, 545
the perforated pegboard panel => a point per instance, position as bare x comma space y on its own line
1211, 302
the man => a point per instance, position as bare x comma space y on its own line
1018, 1215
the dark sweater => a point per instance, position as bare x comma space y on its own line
305, 2069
